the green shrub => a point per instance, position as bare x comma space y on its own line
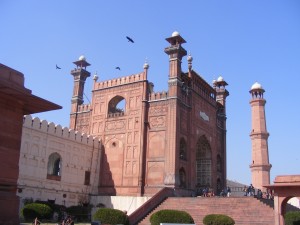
292, 218
58, 209
80, 213
218, 219
170, 216
111, 216
33, 210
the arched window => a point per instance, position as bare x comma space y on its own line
203, 162
54, 167
116, 106
182, 178
182, 149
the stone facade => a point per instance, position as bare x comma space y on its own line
151, 140
57, 164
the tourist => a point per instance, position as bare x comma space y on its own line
228, 191
36, 221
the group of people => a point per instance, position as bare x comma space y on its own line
250, 191
67, 221
226, 192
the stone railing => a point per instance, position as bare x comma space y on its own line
149, 205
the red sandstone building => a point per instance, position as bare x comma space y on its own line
152, 140
15, 101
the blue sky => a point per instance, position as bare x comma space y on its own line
243, 41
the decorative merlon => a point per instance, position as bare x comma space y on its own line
120, 81
57, 130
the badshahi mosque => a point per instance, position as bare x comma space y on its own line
130, 144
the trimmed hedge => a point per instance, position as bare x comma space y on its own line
80, 213
111, 216
218, 219
170, 216
292, 218
33, 210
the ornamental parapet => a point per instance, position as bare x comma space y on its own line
120, 81
158, 96
57, 130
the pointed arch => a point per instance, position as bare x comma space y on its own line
116, 106
219, 163
54, 166
203, 162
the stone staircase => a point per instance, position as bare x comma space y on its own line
244, 210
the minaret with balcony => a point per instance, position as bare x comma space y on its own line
260, 166
80, 74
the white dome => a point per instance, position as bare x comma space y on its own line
190, 58
82, 58
256, 85
175, 33
220, 78
146, 65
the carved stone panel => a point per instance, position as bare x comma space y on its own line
157, 121
155, 173
115, 125
156, 144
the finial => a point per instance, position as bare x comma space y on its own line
95, 78
214, 82
146, 65
189, 58
82, 58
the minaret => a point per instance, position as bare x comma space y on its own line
175, 52
221, 94
80, 74
220, 86
260, 167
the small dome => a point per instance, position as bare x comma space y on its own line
95, 78
256, 85
82, 58
220, 78
175, 33
189, 58
146, 65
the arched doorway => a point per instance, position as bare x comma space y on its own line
203, 162
284, 188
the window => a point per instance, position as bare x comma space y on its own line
54, 167
203, 162
182, 149
87, 177
116, 106
219, 163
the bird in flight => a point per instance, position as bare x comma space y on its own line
57, 67
118, 68
129, 39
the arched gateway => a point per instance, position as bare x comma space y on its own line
284, 187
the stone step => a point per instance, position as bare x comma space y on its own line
244, 210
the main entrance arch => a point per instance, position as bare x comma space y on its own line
203, 162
